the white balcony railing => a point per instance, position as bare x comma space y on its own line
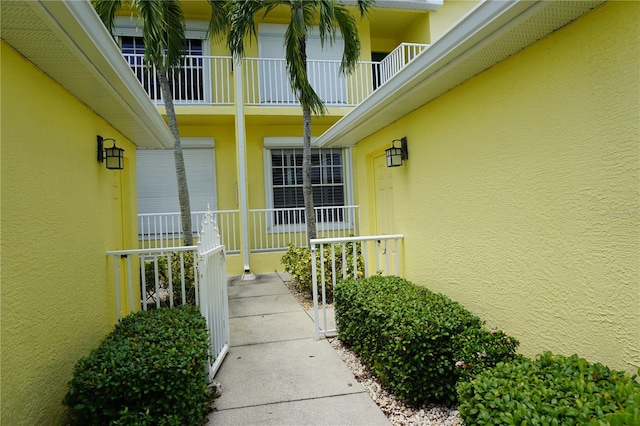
275, 229
398, 59
202, 80
269, 229
267, 82
208, 80
163, 230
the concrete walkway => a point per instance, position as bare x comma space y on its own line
276, 373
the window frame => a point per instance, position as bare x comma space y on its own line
272, 143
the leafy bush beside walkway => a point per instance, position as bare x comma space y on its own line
149, 371
419, 343
551, 390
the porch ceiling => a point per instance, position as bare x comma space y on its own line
490, 33
67, 41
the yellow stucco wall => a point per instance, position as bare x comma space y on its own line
521, 195
61, 211
447, 15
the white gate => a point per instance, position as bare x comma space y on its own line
214, 304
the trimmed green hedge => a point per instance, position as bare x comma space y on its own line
550, 390
419, 343
150, 370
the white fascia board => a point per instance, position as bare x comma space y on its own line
286, 142
426, 5
472, 32
85, 35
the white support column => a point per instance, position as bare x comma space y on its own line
242, 165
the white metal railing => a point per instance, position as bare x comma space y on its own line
267, 82
156, 278
398, 59
359, 257
162, 230
205, 80
201, 281
275, 229
208, 80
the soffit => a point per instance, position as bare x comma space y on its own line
487, 35
67, 41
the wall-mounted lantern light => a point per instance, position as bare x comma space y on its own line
114, 156
396, 154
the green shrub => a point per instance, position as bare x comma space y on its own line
297, 262
477, 349
550, 390
150, 370
412, 338
176, 278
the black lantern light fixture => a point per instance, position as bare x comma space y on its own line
114, 156
396, 154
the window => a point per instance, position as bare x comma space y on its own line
327, 178
156, 178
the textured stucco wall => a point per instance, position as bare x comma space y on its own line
521, 195
61, 212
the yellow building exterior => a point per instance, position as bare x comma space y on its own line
520, 197
61, 208
247, 109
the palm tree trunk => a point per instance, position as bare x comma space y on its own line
307, 188
181, 174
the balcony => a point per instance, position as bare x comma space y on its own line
209, 80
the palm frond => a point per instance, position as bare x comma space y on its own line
106, 10
364, 6
242, 15
219, 21
349, 29
296, 58
150, 15
174, 32
326, 21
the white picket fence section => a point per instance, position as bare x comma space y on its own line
361, 257
209, 285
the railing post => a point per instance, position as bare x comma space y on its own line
117, 279
314, 280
